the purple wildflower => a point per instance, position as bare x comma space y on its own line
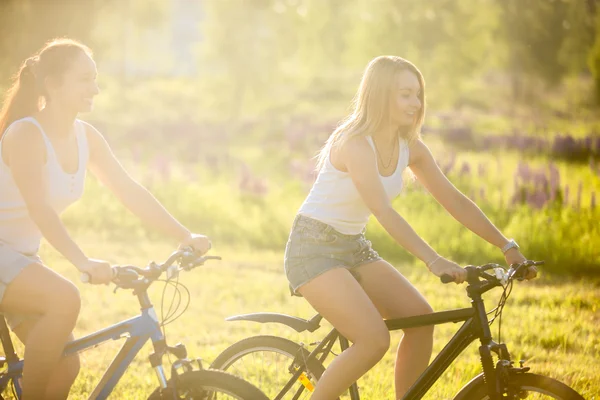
481, 169
163, 167
524, 172
554, 181
465, 169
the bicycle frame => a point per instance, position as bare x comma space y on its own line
475, 326
138, 331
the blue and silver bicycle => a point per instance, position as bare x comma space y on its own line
188, 379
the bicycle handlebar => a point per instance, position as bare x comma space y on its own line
501, 275
128, 274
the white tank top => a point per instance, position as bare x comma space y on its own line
335, 200
17, 230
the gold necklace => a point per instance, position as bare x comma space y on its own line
385, 167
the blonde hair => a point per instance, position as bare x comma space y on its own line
371, 105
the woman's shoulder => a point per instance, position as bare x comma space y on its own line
356, 150
23, 131
23, 140
417, 150
357, 146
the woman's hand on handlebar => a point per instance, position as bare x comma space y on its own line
200, 243
443, 266
514, 256
98, 271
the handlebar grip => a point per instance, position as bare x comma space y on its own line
446, 278
85, 277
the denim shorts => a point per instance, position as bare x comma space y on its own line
12, 263
315, 247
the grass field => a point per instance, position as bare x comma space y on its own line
552, 324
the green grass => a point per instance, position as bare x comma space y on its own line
549, 323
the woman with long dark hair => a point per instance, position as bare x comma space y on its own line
44, 154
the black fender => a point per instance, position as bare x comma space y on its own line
298, 324
465, 392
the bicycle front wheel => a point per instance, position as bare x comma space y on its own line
525, 386
208, 385
269, 362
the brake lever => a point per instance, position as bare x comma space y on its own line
517, 269
197, 262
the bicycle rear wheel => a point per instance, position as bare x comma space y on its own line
269, 362
525, 386
209, 385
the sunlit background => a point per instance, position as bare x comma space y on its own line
219, 106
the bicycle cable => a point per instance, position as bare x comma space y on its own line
172, 314
176, 293
500, 308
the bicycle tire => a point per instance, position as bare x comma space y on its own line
226, 361
207, 384
476, 389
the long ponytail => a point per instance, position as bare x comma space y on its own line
23, 98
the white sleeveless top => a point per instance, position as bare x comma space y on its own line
17, 230
335, 200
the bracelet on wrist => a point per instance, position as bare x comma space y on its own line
430, 263
511, 244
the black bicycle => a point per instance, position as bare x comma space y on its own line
188, 379
284, 369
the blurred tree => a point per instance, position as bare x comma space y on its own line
269, 53
240, 55
594, 59
132, 36
104, 25
534, 32
28, 24
580, 26
322, 46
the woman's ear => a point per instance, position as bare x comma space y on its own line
49, 86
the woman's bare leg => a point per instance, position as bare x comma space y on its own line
395, 297
39, 290
338, 297
66, 370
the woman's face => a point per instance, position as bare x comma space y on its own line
405, 98
78, 87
